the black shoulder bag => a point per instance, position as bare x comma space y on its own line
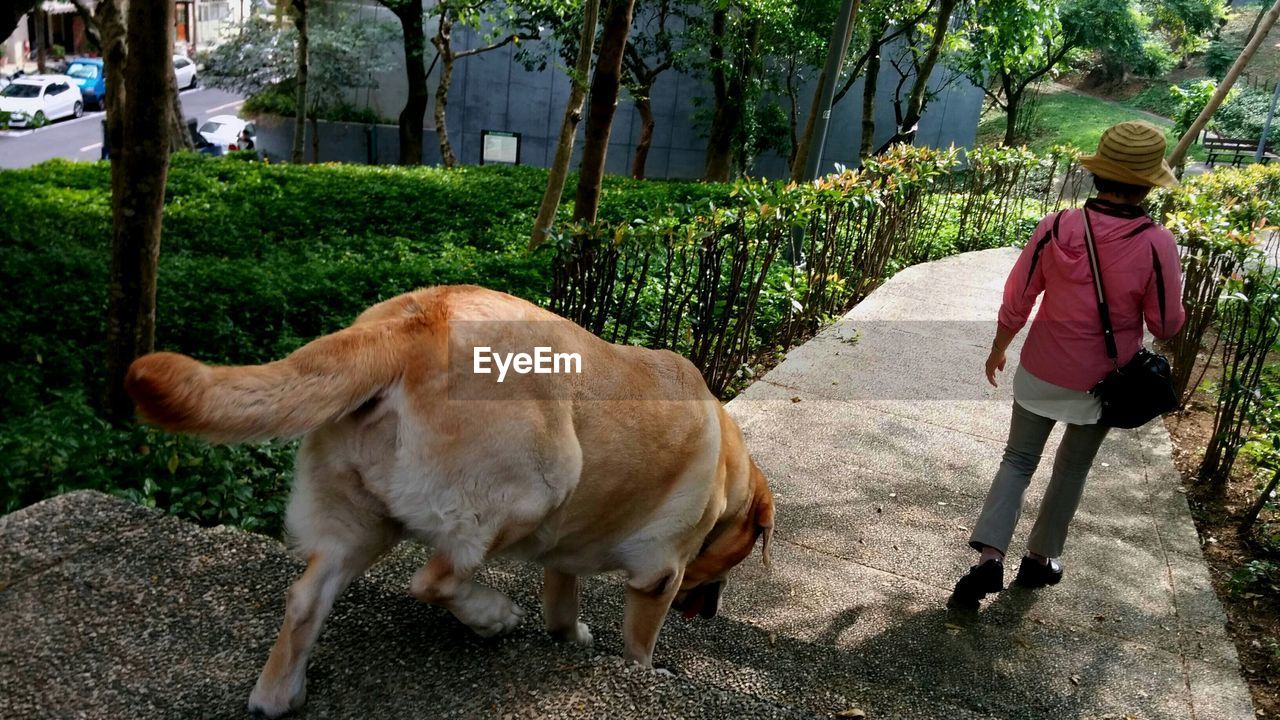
1140, 391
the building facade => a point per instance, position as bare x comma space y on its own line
494, 95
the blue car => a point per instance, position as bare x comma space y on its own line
88, 74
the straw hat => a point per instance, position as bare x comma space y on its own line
1131, 152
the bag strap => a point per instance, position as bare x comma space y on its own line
1104, 311
1159, 277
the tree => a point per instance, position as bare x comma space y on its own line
1126, 47
11, 14
507, 22
872, 32
880, 23
843, 26
104, 24
1012, 44
409, 13
909, 121
655, 46
345, 52
138, 173
651, 52
797, 49
743, 121
298, 8
259, 58
606, 82
734, 49
1259, 34
870, 86
568, 127
1185, 24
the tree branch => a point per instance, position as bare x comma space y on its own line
534, 35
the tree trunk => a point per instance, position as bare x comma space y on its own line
41, 21
443, 43
605, 84
1251, 517
750, 70
447, 156
645, 108
906, 131
109, 17
315, 136
1012, 108
559, 171
870, 86
300, 99
179, 135
1260, 33
12, 13
409, 13
138, 176
793, 111
719, 160
824, 91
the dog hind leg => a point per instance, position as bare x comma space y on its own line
560, 608
343, 530
282, 686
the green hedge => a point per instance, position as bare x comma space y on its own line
1241, 116
256, 260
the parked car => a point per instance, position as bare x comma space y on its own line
227, 131
38, 99
89, 75
185, 71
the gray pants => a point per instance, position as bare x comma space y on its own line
1027, 435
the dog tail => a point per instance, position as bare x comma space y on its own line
321, 381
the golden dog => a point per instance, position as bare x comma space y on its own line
631, 466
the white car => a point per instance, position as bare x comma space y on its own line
185, 71
225, 131
35, 100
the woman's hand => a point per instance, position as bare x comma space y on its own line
995, 361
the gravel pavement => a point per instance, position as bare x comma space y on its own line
879, 437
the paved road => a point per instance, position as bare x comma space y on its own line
82, 139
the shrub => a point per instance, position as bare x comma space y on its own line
1190, 100
1221, 55
1219, 220
714, 285
281, 100
1244, 115
257, 259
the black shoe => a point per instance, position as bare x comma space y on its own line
1033, 574
984, 579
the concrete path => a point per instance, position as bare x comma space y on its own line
879, 437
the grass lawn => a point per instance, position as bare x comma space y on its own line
1068, 118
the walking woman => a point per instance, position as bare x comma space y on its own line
1065, 354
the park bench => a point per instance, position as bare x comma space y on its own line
1235, 150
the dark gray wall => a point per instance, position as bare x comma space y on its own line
493, 91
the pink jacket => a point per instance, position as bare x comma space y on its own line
1139, 260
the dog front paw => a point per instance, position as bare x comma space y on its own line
580, 634
271, 703
498, 620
